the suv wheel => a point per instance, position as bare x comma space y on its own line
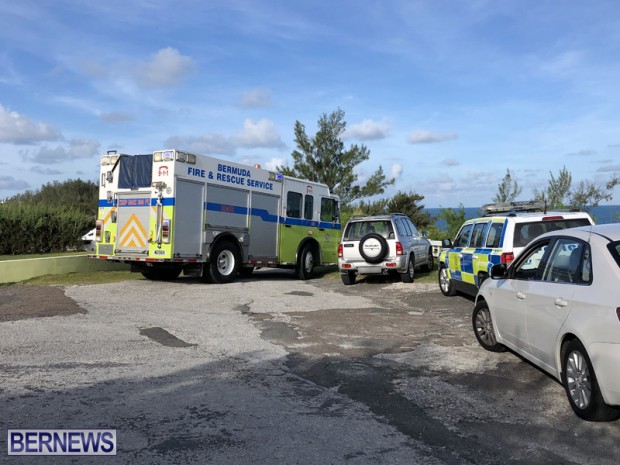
373, 248
430, 261
407, 277
348, 278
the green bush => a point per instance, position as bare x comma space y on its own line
41, 228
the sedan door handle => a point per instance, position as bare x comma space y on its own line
559, 302
520, 296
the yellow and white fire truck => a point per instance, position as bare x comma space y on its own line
172, 211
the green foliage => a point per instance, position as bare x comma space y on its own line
454, 220
82, 195
324, 158
507, 190
403, 202
587, 194
557, 190
40, 228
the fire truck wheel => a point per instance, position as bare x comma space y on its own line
225, 262
305, 263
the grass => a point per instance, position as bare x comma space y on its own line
83, 279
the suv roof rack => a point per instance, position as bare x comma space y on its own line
508, 208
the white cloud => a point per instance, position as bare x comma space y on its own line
450, 162
256, 98
18, 129
273, 164
166, 68
46, 171
77, 149
368, 130
12, 184
207, 144
262, 133
115, 117
396, 171
427, 137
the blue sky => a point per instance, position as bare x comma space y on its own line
446, 95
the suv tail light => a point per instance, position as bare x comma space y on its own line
340, 254
399, 249
507, 258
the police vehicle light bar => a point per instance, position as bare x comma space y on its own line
517, 206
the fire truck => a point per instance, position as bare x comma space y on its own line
171, 211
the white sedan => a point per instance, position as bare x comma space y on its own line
558, 305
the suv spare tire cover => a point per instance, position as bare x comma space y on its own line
373, 248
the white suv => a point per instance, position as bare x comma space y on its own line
382, 245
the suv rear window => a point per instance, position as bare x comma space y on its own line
525, 232
358, 229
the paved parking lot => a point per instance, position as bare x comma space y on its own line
275, 370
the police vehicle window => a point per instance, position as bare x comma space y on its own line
530, 267
328, 210
566, 263
293, 205
477, 236
308, 207
463, 236
495, 235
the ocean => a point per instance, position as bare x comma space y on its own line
601, 214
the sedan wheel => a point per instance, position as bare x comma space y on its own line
582, 390
483, 328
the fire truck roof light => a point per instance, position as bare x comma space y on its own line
157, 156
181, 156
113, 159
191, 158
168, 155
105, 160
275, 177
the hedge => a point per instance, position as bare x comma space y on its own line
41, 228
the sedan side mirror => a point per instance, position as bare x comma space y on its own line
446, 244
499, 271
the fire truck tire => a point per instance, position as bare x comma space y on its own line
225, 262
162, 274
305, 262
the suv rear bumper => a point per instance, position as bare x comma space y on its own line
398, 264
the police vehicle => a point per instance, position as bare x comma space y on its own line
496, 237
170, 212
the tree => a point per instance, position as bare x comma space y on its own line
557, 190
584, 197
403, 202
588, 195
454, 219
77, 193
507, 190
324, 158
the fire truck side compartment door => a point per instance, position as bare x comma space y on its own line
264, 226
187, 225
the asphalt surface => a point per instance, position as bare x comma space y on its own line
274, 370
